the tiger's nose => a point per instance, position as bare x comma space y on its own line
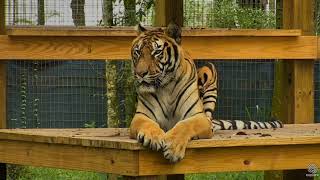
142, 73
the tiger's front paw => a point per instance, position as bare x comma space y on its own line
152, 138
174, 147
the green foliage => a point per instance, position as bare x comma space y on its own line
40, 173
16, 171
255, 18
227, 14
258, 114
91, 124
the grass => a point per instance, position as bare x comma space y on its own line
227, 176
40, 173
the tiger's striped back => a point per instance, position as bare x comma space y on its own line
208, 84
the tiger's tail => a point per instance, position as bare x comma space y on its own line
240, 124
208, 84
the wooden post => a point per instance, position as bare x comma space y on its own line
2, 17
3, 87
299, 14
293, 100
169, 11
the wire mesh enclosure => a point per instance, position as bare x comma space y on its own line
197, 13
245, 89
73, 94
79, 12
59, 94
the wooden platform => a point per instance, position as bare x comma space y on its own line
111, 151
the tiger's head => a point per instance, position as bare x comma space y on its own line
155, 56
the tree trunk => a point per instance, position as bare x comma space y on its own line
128, 91
107, 12
130, 12
78, 15
15, 11
41, 15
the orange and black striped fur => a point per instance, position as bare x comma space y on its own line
208, 84
169, 111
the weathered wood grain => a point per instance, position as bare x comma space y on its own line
238, 158
118, 138
212, 47
130, 32
69, 157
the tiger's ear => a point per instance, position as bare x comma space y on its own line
174, 31
140, 29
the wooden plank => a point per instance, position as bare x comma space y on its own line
69, 157
232, 159
129, 31
66, 48
114, 138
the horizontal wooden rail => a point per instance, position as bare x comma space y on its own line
118, 47
129, 31
110, 151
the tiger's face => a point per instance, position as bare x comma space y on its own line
155, 58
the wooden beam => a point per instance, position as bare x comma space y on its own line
169, 11
130, 32
2, 17
232, 159
147, 162
48, 48
66, 156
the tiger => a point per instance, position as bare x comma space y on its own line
208, 84
175, 101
